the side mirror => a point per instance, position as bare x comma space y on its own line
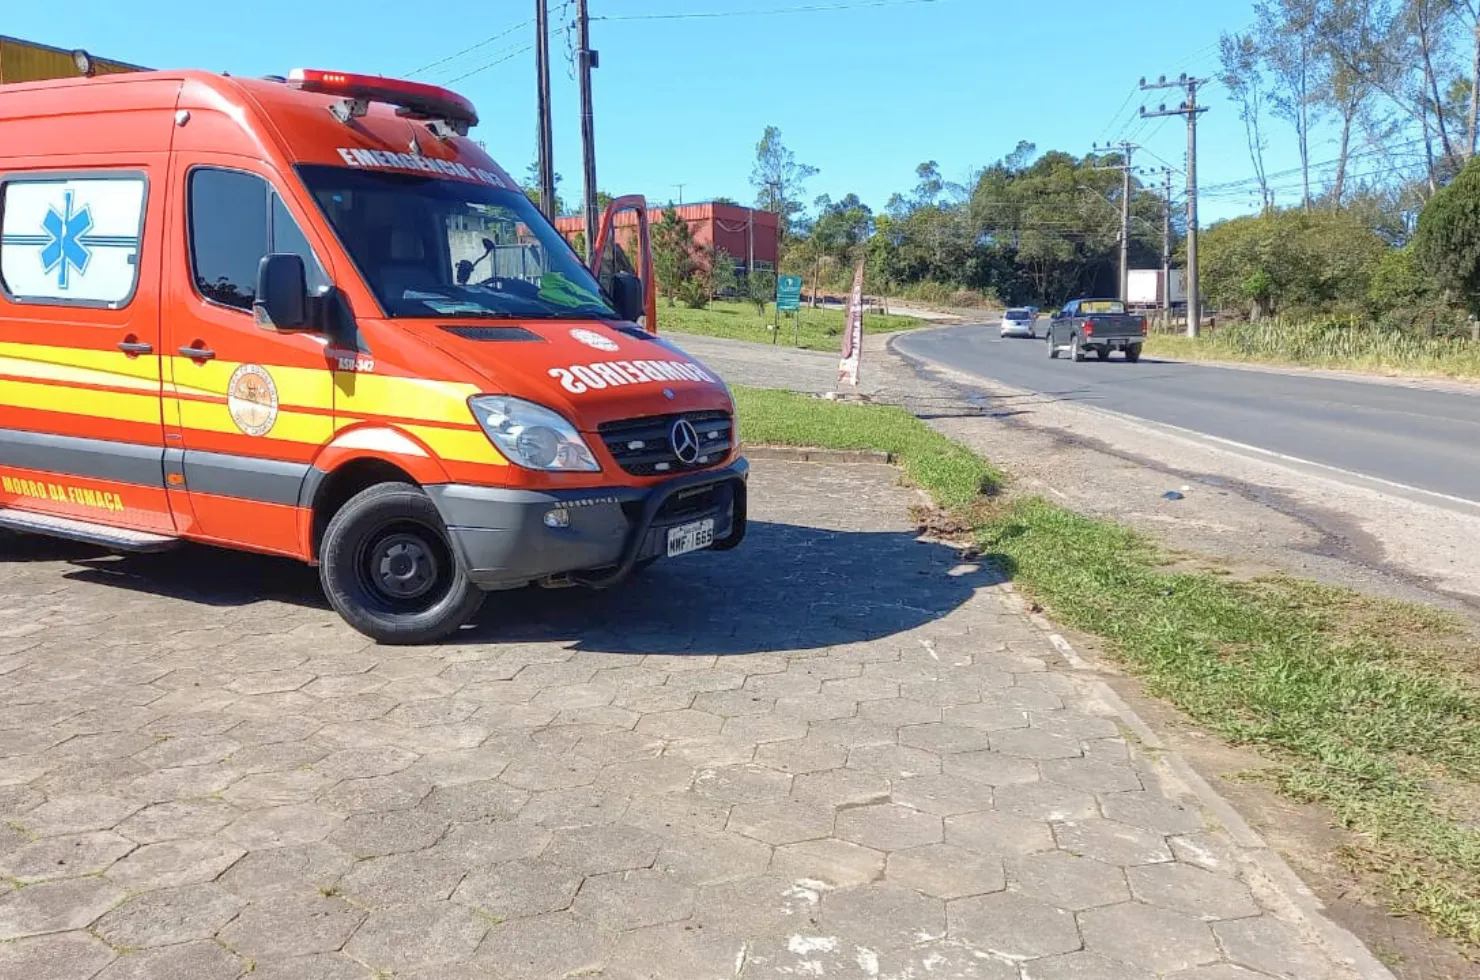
282, 292
627, 296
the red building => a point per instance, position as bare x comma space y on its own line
746, 234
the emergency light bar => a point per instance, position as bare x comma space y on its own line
413, 100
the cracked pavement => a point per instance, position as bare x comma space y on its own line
835, 752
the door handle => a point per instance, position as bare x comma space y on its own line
135, 348
198, 353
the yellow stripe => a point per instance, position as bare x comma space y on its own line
289, 427
460, 445
112, 363
403, 398
44, 371
80, 401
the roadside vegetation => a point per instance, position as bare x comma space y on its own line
821, 329
1368, 706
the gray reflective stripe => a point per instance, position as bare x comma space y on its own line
270, 481
98, 459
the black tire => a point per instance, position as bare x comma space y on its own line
387, 568
1103, 353
1053, 352
1133, 353
1076, 350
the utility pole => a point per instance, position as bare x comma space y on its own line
545, 163
1126, 150
586, 59
680, 193
1166, 248
1191, 110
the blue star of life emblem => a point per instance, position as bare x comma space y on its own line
64, 249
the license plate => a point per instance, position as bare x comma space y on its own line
690, 537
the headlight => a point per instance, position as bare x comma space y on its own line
531, 435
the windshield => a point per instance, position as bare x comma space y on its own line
1101, 306
429, 246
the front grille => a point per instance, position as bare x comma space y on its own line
643, 447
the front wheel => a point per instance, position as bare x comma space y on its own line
1133, 353
388, 569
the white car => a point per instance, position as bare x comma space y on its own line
1019, 323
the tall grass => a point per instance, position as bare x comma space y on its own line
1328, 342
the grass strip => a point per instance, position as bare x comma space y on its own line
821, 329
1355, 701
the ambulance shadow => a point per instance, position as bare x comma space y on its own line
787, 587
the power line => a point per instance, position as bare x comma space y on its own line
472, 47
525, 49
803, 9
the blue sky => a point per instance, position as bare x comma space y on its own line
863, 94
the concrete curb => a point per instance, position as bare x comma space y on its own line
1270, 874
805, 454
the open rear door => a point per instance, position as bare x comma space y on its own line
623, 231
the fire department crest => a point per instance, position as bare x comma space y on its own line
252, 399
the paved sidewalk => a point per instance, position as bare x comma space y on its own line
835, 752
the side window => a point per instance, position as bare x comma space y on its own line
72, 240
235, 219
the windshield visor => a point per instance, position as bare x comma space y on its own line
430, 247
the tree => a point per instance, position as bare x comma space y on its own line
673, 254
531, 187
1245, 84
722, 277
1288, 38
1447, 243
778, 179
1347, 48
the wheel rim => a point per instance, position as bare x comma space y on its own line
405, 566
1074, 348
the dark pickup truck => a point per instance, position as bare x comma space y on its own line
1098, 325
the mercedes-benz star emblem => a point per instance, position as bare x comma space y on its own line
685, 441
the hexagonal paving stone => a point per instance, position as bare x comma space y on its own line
319, 966
781, 821
1158, 939
1084, 966
1151, 811
634, 899
78, 814
883, 916
516, 889
403, 879
894, 761
65, 857
396, 832
675, 950
833, 863
841, 787
1218, 971
899, 711
1184, 888
305, 870
677, 812
1067, 881
486, 799
800, 755
544, 947
290, 925
598, 850
407, 937
942, 795
809, 953
742, 784
1033, 743
1091, 775
990, 768
67, 956
188, 961
946, 871
169, 916
991, 832
945, 738
989, 716
888, 827
282, 826
1012, 925
169, 863
550, 772
733, 703
1046, 801
171, 821
1111, 842
946, 959
704, 858
684, 723
56, 906
758, 906
279, 788
1271, 946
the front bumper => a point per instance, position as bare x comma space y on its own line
501, 539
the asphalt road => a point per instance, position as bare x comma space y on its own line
1411, 436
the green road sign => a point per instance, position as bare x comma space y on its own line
788, 293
